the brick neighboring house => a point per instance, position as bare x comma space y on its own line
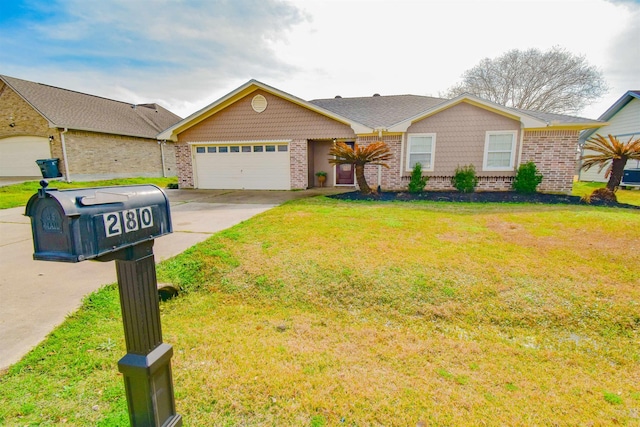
259, 137
93, 137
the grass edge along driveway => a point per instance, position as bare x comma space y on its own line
322, 312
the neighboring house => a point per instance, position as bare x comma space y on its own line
92, 137
259, 137
622, 121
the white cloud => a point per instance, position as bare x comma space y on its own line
185, 54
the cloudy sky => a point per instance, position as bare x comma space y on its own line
185, 54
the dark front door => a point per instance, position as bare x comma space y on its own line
345, 173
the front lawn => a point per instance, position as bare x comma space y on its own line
323, 312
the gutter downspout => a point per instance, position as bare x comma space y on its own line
521, 145
380, 166
65, 159
164, 171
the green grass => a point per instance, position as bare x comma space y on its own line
582, 189
15, 195
322, 312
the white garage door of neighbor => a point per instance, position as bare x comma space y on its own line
248, 166
18, 155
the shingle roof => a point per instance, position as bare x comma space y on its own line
379, 111
384, 111
74, 110
555, 118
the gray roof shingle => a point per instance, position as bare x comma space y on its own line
74, 110
379, 111
384, 111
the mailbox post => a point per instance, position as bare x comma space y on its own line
118, 223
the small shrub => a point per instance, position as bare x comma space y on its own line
527, 178
465, 179
418, 182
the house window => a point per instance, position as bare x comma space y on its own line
421, 149
235, 149
258, 148
271, 148
499, 151
246, 148
223, 149
199, 150
211, 149
282, 148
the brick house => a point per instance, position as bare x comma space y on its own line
259, 137
93, 137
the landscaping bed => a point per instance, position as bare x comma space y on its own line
477, 197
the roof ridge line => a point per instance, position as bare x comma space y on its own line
75, 91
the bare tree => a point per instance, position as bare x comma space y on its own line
555, 81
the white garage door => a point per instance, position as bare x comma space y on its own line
18, 155
249, 166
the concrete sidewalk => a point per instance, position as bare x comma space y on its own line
36, 296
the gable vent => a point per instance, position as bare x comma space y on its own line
259, 103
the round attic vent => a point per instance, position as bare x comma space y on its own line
259, 103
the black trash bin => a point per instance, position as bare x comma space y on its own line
49, 168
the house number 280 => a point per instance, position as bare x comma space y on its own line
116, 223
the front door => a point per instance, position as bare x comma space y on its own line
345, 173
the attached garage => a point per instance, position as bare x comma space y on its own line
18, 155
243, 165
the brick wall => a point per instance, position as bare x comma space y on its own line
27, 121
299, 164
390, 177
184, 162
554, 153
94, 155
485, 183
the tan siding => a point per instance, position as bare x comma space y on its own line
460, 137
282, 120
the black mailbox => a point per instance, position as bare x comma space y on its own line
80, 224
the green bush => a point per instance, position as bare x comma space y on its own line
465, 179
418, 182
527, 178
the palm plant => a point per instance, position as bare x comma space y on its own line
375, 153
610, 149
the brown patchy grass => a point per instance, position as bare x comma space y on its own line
322, 312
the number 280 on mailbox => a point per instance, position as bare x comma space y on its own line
117, 223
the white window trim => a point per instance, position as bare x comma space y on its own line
408, 154
511, 166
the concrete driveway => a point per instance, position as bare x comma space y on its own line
36, 296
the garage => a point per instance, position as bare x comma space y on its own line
18, 155
247, 165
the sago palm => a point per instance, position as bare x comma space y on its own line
610, 149
375, 153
